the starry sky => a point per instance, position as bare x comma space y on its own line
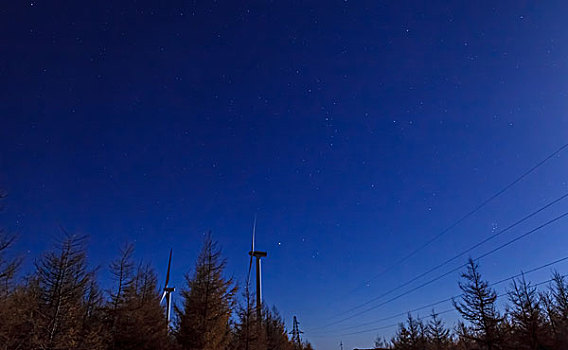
354, 130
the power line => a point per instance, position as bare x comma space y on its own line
390, 325
439, 313
449, 272
508, 228
455, 296
463, 218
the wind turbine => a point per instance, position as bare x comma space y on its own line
256, 254
168, 292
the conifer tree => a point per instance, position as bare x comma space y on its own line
411, 336
477, 306
438, 335
137, 320
245, 331
140, 320
276, 335
381, 343
122, 272
527, 316
208, 299
465, 340
558, 310
21, 326
64, 283
8, 266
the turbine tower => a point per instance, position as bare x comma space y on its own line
168, 292
258, 255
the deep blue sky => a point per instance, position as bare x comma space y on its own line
354, 130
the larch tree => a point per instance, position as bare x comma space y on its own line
528, 323
558, 309
10, 317
478, 307
136, 319
204, 319
438, 335
245, 330
65, 286
410, 336
140, 319
122, 270
8, 265
275, 330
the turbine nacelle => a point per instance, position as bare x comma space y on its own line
258, 254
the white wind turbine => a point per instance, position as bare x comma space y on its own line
258, 255
168, 292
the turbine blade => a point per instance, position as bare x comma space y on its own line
163, 296
250, 268
253, 233
169, 265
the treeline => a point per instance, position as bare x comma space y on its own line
60, 305
531, 320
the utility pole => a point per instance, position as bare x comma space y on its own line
296, 333
341, 344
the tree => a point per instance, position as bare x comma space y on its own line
204, 320
276, 335
122, 271
67, 294
20, 326
140, 322
477, 306
8, 266
464, 337
526, 315
381, 343
438, 335
411, 336
8, 269
556, 305
246, 330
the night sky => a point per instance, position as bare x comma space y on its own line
354, 130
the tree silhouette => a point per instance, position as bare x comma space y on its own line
64, 286
438, 335
245, 330
208, 300
276, 335
410, 336
477, 306
8, 266
527, 316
